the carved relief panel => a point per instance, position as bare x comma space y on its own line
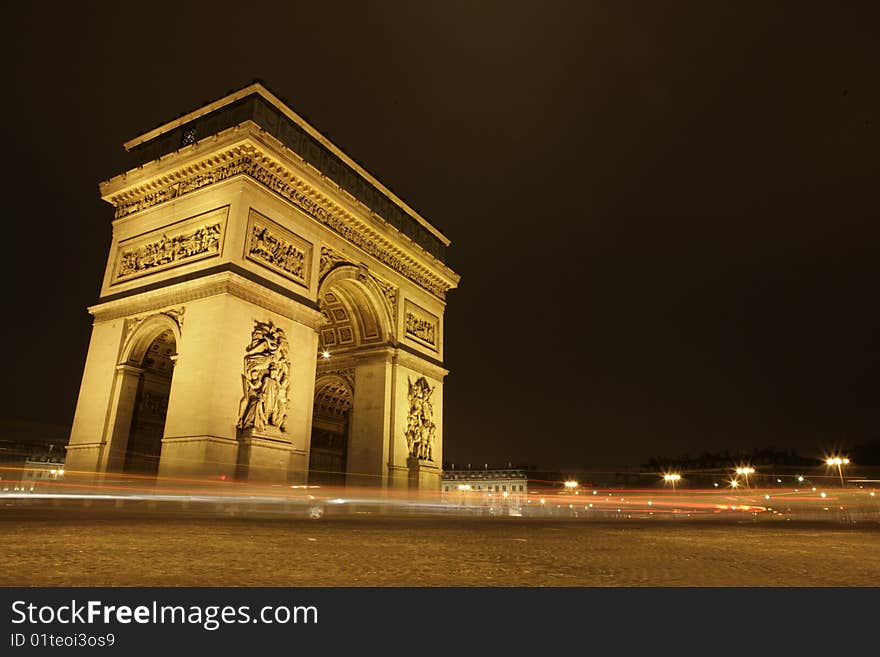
278, 249
181, 243
421, 326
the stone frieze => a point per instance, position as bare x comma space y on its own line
291, 189
420, 325
278, 249
170, 246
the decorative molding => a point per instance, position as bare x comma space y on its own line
132, 323
278, 249
209, 286
420, 425
334, 392
266, 380
421, 326
177, 315
248, 161
345, 373
329, 259
185, 241
389, 291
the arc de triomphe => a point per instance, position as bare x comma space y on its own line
269, 312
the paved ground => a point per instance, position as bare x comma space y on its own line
40, 549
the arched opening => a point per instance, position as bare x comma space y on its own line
357, 317
144, 445
330, 422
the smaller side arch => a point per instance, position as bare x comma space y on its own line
136, 344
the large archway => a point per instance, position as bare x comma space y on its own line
144, 446
334, 395
357, 319
143, 383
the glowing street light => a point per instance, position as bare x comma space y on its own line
325, 354
745, 471
672, 477
832, 461
571, 485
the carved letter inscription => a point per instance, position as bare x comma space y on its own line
266, 380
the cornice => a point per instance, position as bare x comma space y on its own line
272, 99
248, 151
384, 353
209, 286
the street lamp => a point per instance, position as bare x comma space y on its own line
672, 477
839, 462
745, 472
570, 485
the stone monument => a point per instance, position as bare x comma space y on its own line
269, 312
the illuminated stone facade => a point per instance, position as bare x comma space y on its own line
263, 292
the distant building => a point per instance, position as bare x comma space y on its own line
36, 474
26, 468
504, 490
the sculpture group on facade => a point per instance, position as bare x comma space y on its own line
420, 426
420, 328
170, 249
277, 252
266, 380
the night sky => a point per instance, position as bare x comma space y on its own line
666, 215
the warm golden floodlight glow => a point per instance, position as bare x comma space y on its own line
571, 484
839, 462
671, 477
464, 487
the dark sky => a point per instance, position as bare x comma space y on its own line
665, 214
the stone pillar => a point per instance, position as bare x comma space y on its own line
406, 469
369, 425
121, 409
423, 475
263, 457
88, 436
